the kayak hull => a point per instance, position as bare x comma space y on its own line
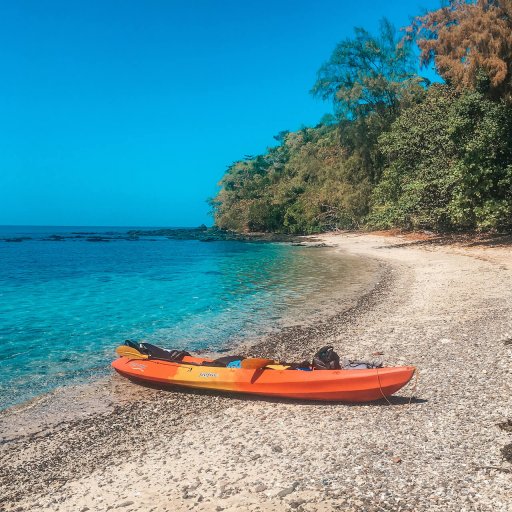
325, 385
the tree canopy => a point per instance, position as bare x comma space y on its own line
368, 74
470, 44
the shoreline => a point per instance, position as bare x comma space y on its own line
317, 308
203, 451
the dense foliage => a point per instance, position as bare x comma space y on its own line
449, 165
399, 152
306, 184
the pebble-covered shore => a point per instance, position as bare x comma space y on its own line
445, 308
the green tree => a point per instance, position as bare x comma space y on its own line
368, 78
368, 74
307, 184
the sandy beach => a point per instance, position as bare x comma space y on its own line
443, 307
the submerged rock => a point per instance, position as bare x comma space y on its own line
17, 239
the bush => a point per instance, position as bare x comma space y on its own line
448, 165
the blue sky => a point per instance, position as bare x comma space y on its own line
128, 112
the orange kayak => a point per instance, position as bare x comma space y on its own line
330, 385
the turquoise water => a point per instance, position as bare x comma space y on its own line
65, 305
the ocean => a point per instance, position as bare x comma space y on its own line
70, 295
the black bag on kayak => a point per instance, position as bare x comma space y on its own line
326, 359
154, 352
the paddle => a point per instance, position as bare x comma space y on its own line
125, 351
255, 363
